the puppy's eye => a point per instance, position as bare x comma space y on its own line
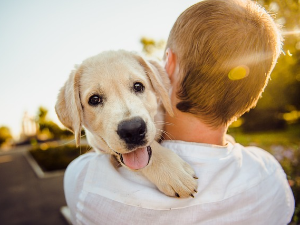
138, 87
95, 100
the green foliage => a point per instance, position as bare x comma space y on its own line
263, 120
48, 127
42, 114
4, 134
55, 131
153, 48
283, 90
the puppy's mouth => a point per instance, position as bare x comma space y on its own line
136, 159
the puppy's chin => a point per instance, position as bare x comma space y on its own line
136, 159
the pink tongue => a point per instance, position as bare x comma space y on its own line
137, 159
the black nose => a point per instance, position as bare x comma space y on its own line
132, 131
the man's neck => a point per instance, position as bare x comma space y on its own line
186, 127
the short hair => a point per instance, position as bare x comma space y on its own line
210, 39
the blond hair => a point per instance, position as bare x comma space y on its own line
210, 39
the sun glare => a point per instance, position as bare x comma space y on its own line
291, 32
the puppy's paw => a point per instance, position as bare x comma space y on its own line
172, 176
178, 180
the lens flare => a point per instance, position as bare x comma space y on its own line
291, 32
238, 72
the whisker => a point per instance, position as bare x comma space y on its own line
73, 140
159, 121
162, 122
68, 142
166, 133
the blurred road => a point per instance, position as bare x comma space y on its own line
26, 199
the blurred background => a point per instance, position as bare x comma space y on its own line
40, 43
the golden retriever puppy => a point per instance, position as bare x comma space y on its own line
119, 98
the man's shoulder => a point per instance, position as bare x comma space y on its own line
263, 159
238, 168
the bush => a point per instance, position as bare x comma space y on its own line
56, 158
4, 134
263, 120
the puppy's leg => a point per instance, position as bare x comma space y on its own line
173, 176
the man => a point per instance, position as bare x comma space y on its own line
219, 57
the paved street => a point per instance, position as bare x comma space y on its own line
25, 198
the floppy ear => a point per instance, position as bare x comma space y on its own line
159, 80
68, 107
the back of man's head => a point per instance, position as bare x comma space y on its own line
226, 50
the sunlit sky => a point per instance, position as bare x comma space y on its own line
41, 41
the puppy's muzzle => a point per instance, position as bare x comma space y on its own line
133, 132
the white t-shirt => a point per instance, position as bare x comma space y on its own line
236, 185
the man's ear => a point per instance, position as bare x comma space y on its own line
159, 80
68, 106
170, 64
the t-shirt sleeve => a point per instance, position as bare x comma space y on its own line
74, 178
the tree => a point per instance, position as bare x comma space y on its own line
47, 127
42, 114
5, 134
153, 48
282, 93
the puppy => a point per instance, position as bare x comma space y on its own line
119, 98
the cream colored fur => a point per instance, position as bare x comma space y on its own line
112, 75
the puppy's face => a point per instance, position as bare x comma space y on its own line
119, 103
114, 96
